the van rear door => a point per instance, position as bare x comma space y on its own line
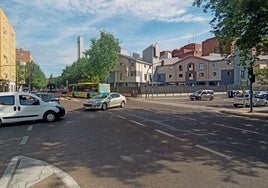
8, 108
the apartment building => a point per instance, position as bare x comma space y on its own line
194, 49
23, 56
192, 70
7, 54
131, 72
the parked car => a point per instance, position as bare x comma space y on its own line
104, 101
20, 106
232, 93
48, 97
202, 95
241, 99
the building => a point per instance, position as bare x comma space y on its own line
189, 49
80, 47
23, 56
7, 54
192, 70
130, 72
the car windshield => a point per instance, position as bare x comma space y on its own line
198, 92
100, 96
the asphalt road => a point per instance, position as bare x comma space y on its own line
145, 145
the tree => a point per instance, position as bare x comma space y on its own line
261, 76
34, 77
243, 21
102, 57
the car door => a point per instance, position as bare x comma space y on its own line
115, 99
29, 107
8, 109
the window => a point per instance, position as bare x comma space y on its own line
28, 100
214, 73
145, 77
191, 67
229, 73
180, 68
132, 64
201, 74
170, 76
201, 66
132, 73
121, 76
180, 75
191, 76
7, 100
121, 64
214, 64
242, 74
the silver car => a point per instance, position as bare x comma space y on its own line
244, 99
104, 101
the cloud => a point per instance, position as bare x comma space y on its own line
49, 28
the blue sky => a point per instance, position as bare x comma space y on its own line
49, 28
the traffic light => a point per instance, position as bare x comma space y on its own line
251, 75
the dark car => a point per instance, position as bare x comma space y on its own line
48, 97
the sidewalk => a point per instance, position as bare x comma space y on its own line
258, 112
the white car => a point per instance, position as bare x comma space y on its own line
106, 100
244, 99
20, 106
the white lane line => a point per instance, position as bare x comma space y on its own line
239, 129
165, 133
24, 140
214, 152
137, 123
122, 117
30, 128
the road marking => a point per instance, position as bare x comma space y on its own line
24, 140
213, 151
30, 128
25, 172
122, 117
137, 123
165, 133
239, 129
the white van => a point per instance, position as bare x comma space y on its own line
20, 106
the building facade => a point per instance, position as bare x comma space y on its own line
189, 49
8, 73
23, 56
192, 70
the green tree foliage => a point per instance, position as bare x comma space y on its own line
35, 78
102, 57
261, 76
20, 73
243, 21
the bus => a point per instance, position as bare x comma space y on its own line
87, 89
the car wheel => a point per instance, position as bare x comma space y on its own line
49, 116
122, 105
211, 98
104, 106
235, 105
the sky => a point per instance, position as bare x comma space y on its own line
49, 28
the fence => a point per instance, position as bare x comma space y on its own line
174, 90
